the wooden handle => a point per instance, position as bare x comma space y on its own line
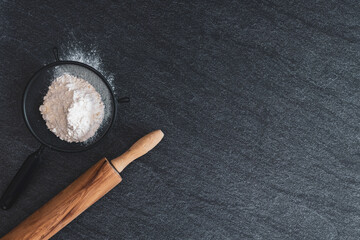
138, 149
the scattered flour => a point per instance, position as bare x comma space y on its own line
91, 58
72, 108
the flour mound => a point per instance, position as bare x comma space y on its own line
72, 108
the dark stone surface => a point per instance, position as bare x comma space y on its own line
259, 102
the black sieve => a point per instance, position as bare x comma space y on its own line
35, 91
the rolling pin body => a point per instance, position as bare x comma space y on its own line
68, 204
81, 194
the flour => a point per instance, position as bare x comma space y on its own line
91, 58
72, 108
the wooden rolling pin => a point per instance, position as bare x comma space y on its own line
81, 194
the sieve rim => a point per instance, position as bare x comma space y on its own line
58, 63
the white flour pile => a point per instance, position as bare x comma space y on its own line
72, 108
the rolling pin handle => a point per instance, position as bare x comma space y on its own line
138, 149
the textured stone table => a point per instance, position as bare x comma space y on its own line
259, 102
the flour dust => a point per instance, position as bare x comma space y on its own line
91, 58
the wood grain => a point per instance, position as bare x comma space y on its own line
81, 194
138, 149
68, 204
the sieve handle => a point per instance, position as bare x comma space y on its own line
56, 53
123, 100
21, 180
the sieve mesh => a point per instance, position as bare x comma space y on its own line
37, 89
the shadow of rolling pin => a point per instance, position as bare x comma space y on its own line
81, 194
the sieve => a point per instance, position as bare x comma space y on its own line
34, 93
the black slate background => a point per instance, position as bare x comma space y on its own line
259, 102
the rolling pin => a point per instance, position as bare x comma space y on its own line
81, 194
